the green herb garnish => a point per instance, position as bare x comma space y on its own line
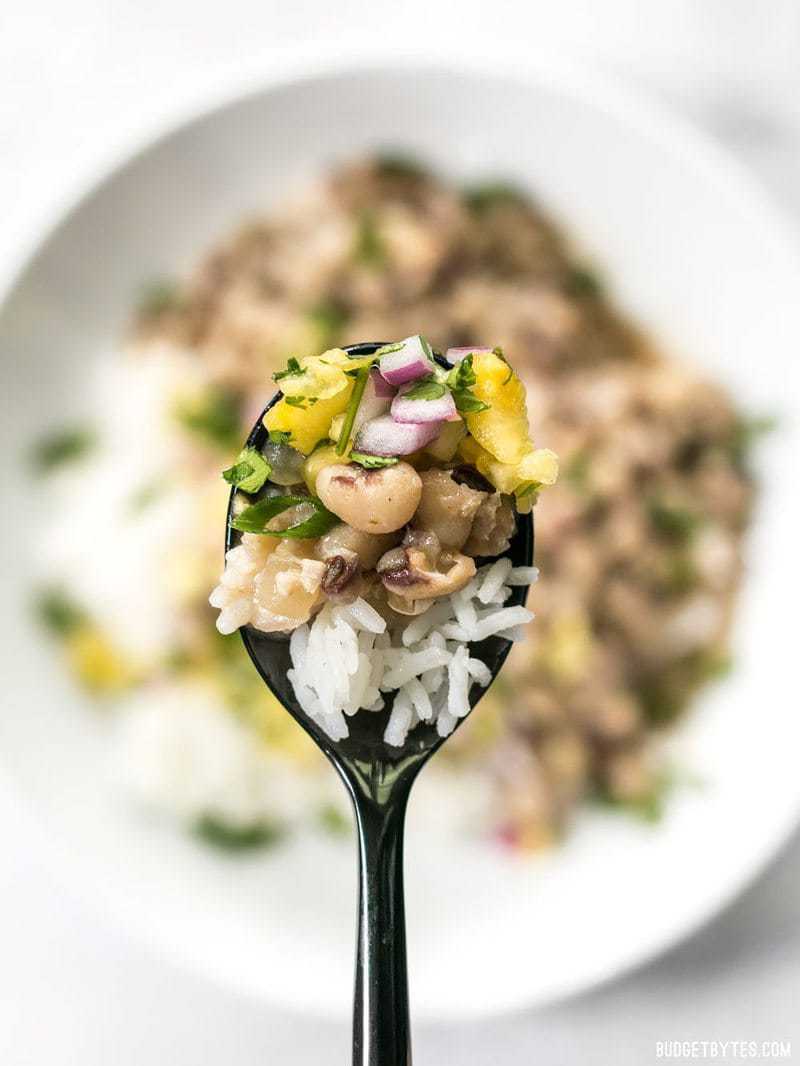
329, 317
746, 433
62, 446
427, 388
159, 296
58, 613
527, 488
256, 517
350, 416
293, 370
373, 462
399, 165
297, 401
576, 470
145, 496
462, 376
481, 198
676, 523
215, 417
582, 283
236, 838
460, 381
387, 349
280, 436
649, 807
249, 472
502, 357
333, 821
369, 248
469, 404
679, 575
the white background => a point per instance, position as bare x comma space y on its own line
78, 79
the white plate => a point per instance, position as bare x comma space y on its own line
695, 254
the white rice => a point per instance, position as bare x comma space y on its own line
494, 580
346, 657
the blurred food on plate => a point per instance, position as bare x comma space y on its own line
639, 544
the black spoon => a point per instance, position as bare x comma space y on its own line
379, 779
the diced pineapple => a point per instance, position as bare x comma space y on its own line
310, 423
339, 357
503, 476
444, 447
502, 429
336, 427
317, 461
540, 465
98, 665
317, 378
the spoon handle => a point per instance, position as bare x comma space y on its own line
381, 1031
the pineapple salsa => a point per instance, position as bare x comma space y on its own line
475, 412
387, 489
384, 476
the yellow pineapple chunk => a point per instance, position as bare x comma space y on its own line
539, 465
339, 357
310, 423
319, 377
502, 429
316, 462
503, 476
96, 662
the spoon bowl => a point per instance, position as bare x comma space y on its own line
378, 777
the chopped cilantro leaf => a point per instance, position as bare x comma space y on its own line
62, 446
460, 381
746, 432
676, 523
249, 472
214, 416
236, 838
369, 248
330, 318
387, 349
372, 462
58, 613
582, 283
333, 821
576, 470
501, 356
256, 518
468, 404
159, 296
145, 496
427, 388
293, 370
482, 198
398, 165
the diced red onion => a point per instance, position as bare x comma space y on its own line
379, 385
408, 363
375, 401
384, 436
455, 355
442, 409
